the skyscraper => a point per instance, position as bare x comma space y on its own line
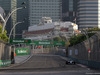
21, 15
88, 14
69, 10
17, 16
44, 8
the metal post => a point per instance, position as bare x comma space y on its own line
86, 34
14, 27
52, 41
42, 48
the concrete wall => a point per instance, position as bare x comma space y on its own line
5, 51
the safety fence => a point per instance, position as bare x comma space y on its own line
81, 53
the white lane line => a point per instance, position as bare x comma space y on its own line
48, 72
93, 73
82, 65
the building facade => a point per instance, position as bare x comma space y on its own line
21, 15
44, 8
18, 16
69, 10
2, 13
88, 14
47, 31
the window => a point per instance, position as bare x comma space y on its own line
70, 5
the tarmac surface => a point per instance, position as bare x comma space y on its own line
47, 64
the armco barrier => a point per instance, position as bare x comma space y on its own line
94, 64
89, 63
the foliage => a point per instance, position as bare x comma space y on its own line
93, 29
57, 39
79, 38
3, 36
62, 38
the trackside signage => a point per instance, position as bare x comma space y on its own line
19, 41
46, 43
22, 51
5, 63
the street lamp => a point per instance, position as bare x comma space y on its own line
86, 34
51, 35
14, 27
23, 3
9, 17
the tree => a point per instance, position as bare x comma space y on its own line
57, 39
3, 36
79, 38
